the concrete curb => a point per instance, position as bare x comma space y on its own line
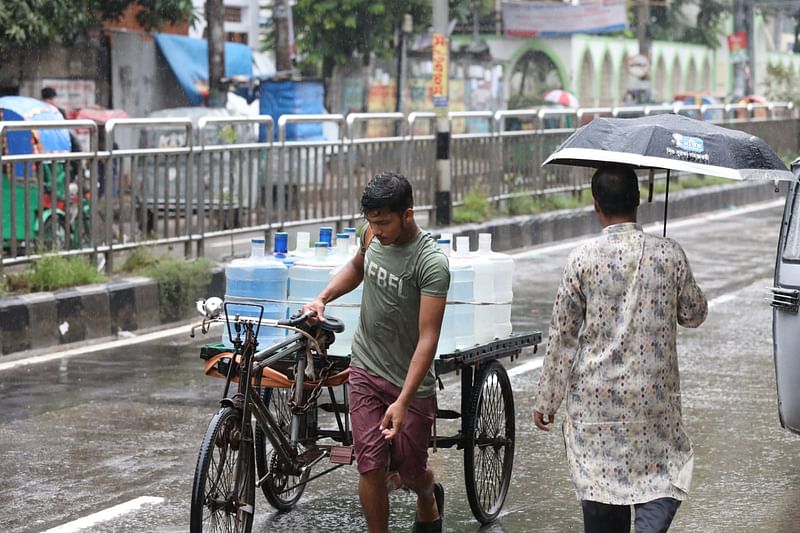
41, 320
47, 319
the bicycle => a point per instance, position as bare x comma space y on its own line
284, 444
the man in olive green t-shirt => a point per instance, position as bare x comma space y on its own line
406, 278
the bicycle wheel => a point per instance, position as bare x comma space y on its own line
489, 442
276, 485
217, 504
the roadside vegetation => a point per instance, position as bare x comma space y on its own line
180, 282
50, 273
477, 208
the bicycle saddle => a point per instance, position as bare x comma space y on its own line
332, 324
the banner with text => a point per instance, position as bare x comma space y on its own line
441, 51
547, 19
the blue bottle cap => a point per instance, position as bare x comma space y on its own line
281, 242
443, 241
257, 241
326, 234
320, 244
342, 235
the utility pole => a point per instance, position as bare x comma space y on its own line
443, 202
283, 53
215, 30
643, 36
743, 68
402, 63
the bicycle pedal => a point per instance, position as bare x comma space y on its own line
342, 455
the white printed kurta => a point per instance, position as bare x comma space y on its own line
611, 351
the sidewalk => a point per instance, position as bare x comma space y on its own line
35, 322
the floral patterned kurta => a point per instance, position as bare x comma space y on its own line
612, 352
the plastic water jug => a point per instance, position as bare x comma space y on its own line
262, 279
503, 284
462, 290
302, 248
483, 294
347, 307
352, 232
447, 336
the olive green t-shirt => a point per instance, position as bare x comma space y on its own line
395, 276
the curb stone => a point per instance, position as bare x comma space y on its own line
38, 320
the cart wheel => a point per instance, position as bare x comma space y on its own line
489, 442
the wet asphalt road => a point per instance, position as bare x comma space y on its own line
83, 434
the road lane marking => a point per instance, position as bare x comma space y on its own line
109, 345
105, 515
657, 226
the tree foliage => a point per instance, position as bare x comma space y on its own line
669, 22
781, 84
330, 32
28, 23
333, 31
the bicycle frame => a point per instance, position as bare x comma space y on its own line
247, 399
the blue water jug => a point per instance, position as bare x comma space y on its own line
262, 280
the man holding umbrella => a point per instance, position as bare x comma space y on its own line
612, 353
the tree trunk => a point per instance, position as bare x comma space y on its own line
215, 20
283, 55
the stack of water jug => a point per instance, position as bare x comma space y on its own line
478, 302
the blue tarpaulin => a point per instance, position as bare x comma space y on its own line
188, 59
293, 98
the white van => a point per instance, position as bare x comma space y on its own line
785, 300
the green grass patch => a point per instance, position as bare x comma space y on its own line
180, 283
53, 272
531, 205
476, 208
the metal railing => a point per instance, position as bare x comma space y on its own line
183, 184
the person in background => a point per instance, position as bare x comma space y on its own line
391, 388
612, 353
49, 95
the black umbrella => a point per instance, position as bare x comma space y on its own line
671, 142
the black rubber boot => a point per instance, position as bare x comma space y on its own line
437, 525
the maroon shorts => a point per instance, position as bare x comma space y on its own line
407, 452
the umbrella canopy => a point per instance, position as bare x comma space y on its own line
561, 97
671, 142
31, 109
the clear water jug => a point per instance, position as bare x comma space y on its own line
309, 276
462, 285
503, 284
302, 248
347, 307
483, 294
262, 279
447, 335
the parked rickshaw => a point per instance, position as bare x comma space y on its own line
36, 207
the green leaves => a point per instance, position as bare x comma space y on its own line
40, 22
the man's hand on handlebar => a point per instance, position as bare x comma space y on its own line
318, 306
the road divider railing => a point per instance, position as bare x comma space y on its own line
144, 182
